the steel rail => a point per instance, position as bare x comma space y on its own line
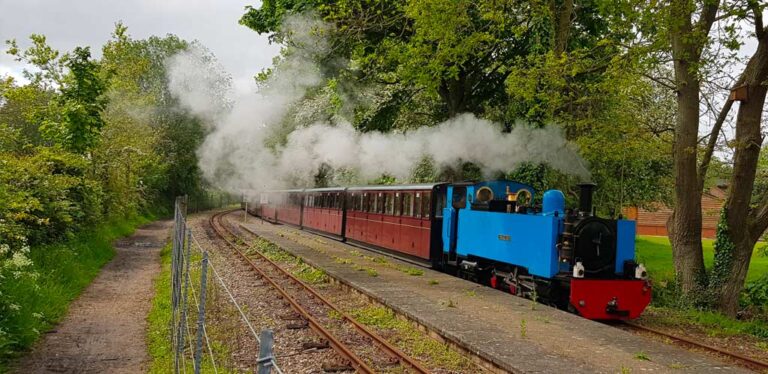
747, 361
391, 350
385, 345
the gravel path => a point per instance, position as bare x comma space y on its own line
105, 329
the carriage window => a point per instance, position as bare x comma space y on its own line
417, 205
426, 204
331, 200
408, 204
390, 204
374, 203
440, 205
338, 201
398, 204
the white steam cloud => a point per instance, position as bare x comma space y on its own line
235, 155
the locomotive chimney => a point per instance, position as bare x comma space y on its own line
585, 197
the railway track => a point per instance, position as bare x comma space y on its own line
364, 350
759, 366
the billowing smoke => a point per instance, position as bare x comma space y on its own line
463, 138
240, 153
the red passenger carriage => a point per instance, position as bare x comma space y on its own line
395, 218
405, 220
324, 210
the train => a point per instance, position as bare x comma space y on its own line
490, 232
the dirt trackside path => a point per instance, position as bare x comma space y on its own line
105, 328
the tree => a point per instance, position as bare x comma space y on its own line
744, 222
689, 29
688, 38
81, 102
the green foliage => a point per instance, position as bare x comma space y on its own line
756, 295
416, 63
656, 254
714, 323
724, 249
47, 196
79, 105
84, 144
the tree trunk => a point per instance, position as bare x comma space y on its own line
684, 225
561, 22
453, 93
744, 228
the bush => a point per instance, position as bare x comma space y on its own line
755, 297
46, 196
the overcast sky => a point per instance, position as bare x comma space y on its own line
71, 23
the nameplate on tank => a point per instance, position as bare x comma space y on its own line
504, 237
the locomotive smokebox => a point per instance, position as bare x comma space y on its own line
585, 197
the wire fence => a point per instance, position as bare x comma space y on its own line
193, 274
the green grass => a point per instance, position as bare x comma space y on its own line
642, 356
656, 253
405, 336
159, 344
713, 323
63, 271
158, 320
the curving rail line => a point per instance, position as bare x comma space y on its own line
345, 351
741, 359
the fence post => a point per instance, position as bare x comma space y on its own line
201, 314
264, 364
174, 282
184, 295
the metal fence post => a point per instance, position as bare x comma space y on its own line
184, 295
201, 314
264, 364
174, 288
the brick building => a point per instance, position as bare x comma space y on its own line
654, 222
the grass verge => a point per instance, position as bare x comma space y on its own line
219, 331
656, 253
59, 273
